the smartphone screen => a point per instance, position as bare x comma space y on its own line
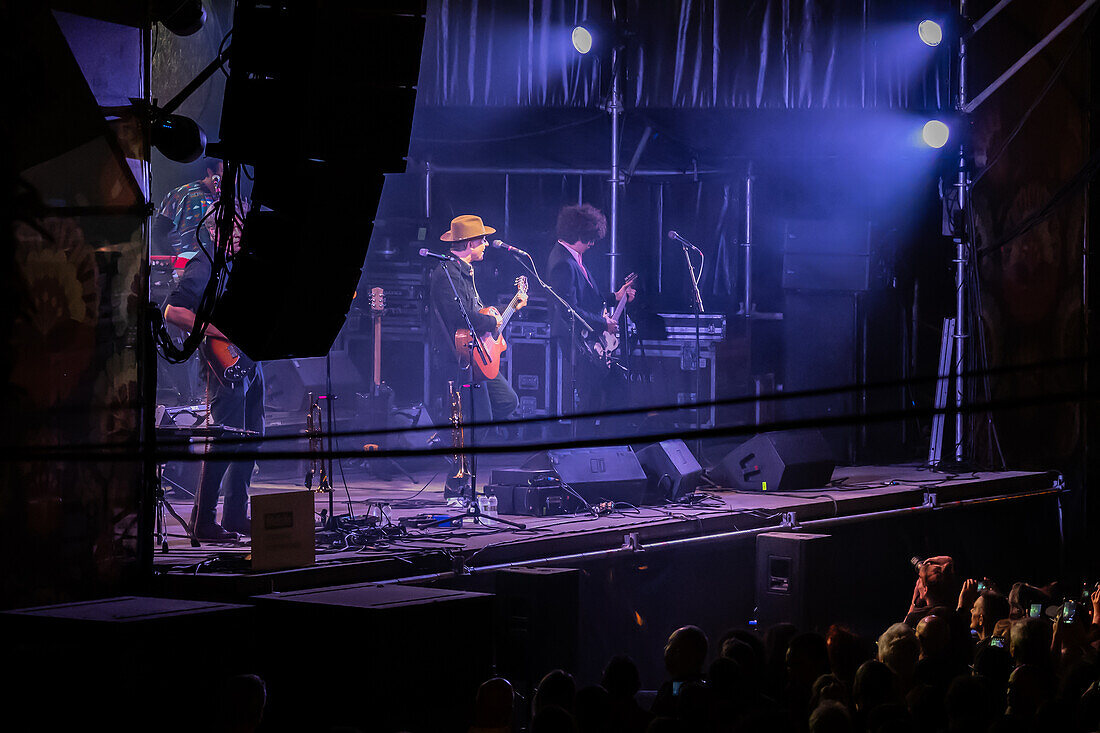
996, 641
1069, 610
1036, 610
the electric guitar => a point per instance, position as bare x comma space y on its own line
608, 342
494, 344
381, 396
229, 365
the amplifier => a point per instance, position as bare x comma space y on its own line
533, 501
681, 327
530, 365
527, 330
663, 373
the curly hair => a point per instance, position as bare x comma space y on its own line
583, 223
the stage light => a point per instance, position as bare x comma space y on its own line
178, 138
930, 32
582, 39
935, 134
181, 17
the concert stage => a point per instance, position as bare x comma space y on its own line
858, 495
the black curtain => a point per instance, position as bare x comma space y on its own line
749, 54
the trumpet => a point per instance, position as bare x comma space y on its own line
458, 440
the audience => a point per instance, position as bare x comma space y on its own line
986, 664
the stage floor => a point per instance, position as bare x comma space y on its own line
371, 555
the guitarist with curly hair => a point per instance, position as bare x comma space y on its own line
579, 228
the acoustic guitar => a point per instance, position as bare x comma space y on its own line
493, 342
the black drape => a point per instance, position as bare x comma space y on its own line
748, 54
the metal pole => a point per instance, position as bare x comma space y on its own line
747, 307
960, 258
615, 109
147, 365
427, 190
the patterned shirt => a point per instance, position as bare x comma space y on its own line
185, 207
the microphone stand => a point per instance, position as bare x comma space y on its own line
697, 306
473, 510
574, 319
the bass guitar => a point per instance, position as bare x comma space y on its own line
493, 343
608, 342
228, 363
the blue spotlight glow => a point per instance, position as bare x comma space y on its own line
935, 134
930, 32
582, 39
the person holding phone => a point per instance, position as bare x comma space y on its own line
989, 608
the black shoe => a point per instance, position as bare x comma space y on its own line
242, 528
214, 532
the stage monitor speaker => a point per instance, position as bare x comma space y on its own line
288, 382
605, 473
793, 582
318, 173
672, 470
780, 461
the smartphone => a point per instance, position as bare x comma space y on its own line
1036, 610
982, 586
996, 641
1069, 612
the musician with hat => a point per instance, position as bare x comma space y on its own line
466, 241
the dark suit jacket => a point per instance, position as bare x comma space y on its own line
567, 278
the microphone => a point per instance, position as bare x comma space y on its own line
673, 235
425, 252
497, 244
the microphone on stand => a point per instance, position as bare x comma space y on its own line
672, 234
425, 252
497, 244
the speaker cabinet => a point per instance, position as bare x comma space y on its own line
780, 461
288, 382
671, 468
793, 580
610, 473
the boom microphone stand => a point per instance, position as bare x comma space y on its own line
472, 509
574, 320
697, 306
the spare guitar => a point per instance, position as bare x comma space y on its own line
229, 365
493, 343
381, 396
608, 342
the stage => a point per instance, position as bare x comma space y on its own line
388, 552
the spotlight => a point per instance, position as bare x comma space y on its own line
582, 39
182, 17
934, 134
930, 32
178, 138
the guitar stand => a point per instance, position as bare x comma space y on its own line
160, 533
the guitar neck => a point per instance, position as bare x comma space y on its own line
619, 309
508, 312
377, 351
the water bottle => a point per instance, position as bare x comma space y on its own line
483, 504
493, 504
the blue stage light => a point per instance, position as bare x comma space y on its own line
930, 32
935, 134
582, 39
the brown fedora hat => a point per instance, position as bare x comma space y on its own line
466, 226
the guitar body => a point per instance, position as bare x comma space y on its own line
229, 365
494, 346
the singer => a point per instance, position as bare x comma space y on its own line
467, 241
593, 386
